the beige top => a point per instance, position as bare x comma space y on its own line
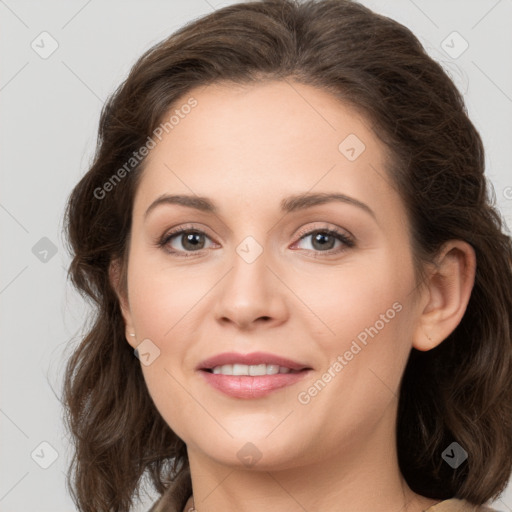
455, 505
452, 505
176, 496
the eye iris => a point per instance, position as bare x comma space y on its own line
191, 238
321, 237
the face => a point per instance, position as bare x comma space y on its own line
328, 286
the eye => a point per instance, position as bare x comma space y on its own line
184, 240
324, 240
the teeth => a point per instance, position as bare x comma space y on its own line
253, 369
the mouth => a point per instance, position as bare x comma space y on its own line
251, 375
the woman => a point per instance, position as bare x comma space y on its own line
341, 340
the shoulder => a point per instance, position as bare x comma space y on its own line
457, 505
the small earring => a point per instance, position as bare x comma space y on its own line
132, 334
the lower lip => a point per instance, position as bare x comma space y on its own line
247, 386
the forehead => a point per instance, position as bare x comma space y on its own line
263, 140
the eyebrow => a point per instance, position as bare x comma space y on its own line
288, 204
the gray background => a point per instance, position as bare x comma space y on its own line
50, 110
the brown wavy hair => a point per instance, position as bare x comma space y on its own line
460, 391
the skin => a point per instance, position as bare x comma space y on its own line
246, 148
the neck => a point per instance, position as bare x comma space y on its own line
358, 476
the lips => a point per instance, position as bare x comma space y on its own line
255, 358
251, 386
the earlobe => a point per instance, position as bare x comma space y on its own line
448, 292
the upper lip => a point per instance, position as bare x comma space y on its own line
250, 359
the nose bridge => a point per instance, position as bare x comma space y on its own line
248, 279
250, 290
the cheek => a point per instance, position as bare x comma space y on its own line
350, 300
365, 354
162, 300
162, 304
364, 336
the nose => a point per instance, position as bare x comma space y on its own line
250, 295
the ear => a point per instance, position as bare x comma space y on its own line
446, 293
115, 281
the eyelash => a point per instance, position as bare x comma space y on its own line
345, 239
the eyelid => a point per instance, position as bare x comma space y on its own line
325, 227
179, 228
